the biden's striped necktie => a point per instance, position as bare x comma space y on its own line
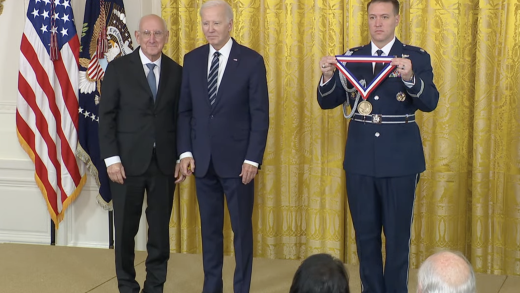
213, 78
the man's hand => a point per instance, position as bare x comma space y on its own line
327, 66
187, 166
248, 173
116, 172
178, 175
404, 66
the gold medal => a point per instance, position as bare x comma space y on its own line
365, 108
400, 96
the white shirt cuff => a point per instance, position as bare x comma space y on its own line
112, 160
251, 163
409, 84
185, 155
324, 83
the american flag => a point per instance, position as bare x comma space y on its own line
47, 105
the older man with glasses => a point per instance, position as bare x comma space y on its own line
137, 136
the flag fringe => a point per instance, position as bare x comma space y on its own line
30, 153
71, 198
85, 158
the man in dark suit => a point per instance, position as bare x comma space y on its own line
223, 123
384, 153
137, 135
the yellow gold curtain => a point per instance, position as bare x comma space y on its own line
469, 197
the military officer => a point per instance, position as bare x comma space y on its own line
384, 153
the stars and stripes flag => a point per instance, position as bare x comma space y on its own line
104, 37
47, 104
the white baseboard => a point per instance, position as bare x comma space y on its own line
26, 238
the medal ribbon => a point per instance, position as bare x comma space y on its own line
364, 91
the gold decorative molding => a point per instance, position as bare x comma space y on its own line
1, 6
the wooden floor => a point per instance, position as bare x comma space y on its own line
41, 269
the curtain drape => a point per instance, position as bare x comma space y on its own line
468, 199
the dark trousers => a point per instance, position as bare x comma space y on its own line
382, 204
240, 199
128, 203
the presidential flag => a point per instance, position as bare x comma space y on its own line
47, 104
104, 37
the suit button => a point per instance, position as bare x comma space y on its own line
211, 116
377, 134
376, 98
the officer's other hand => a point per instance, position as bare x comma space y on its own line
248, 173
178, 175
116, 173
404, 67
187, 166
327, 66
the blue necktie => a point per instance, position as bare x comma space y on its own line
213, 78
151, 79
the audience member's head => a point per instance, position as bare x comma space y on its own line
320, 273
446, 272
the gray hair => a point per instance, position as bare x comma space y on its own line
446, 272
213, 3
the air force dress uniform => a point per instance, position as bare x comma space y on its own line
383, 159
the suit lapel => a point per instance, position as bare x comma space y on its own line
138, 70
229, 72
203, 73
163, 77
397, 49
368, 71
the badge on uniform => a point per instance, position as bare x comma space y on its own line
395, 73
400, 96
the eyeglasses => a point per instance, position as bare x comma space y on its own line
148, 34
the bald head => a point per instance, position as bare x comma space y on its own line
152, 17
446, 272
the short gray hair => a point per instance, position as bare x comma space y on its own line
213, 3
446, 272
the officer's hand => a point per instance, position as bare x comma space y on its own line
327, 66
248, 173
116, 172
178, 175
187, 166
404, 66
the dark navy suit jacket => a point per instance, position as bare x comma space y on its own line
385, 150
235, 127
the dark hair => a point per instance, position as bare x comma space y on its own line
320, 273
394, 2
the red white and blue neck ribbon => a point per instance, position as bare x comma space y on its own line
364, 91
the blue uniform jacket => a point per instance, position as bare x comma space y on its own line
385, 150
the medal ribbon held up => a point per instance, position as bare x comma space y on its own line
364, 107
